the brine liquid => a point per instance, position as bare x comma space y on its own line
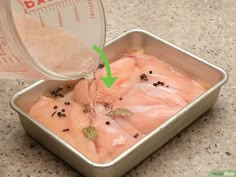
55, 50
92, 94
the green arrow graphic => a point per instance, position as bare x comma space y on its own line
109, 80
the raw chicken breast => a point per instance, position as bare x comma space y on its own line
127, 75
151, 106
147, 94
147, 118
81, 91
69, 128
186, 86
113, 137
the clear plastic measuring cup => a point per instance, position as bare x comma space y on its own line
50, 39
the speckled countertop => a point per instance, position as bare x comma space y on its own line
203, 27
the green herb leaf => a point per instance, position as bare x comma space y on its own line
120, 112
90, 132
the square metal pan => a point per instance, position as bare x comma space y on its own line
129, 41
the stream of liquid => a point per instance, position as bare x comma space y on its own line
92, 94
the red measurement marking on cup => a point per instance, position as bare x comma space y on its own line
55, 6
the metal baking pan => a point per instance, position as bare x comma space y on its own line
132, 40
